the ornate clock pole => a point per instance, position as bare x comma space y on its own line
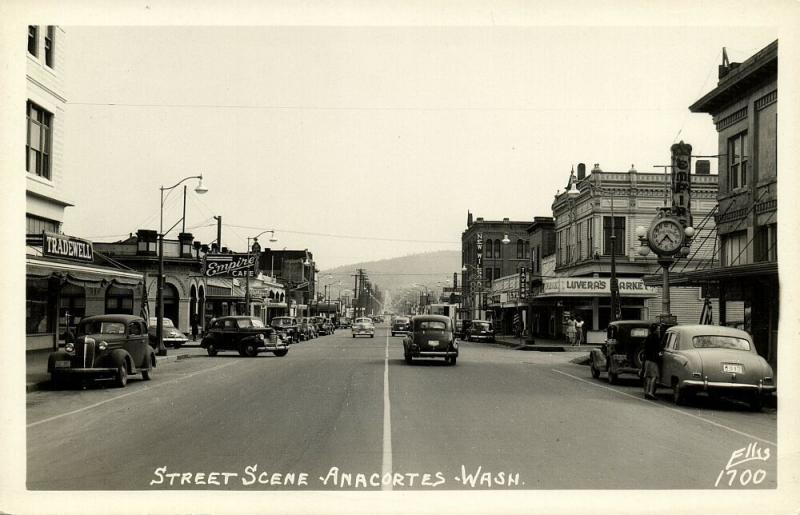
671, 230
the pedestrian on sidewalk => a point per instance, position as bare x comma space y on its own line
571, 330
579, 330
194, 326
652, 359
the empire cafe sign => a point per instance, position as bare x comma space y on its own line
230, 265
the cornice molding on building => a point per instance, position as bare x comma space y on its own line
47, 89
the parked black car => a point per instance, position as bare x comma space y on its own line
431, 336
623, 350
105, 346
244, 334
287, 327
169, 334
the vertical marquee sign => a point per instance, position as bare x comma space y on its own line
523, 283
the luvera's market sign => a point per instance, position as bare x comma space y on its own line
63, 246
594, 287
230, 265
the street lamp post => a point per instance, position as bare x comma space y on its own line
161, 349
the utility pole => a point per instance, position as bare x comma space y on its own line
219, 231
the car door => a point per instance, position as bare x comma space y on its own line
229, 333
668, 358
136, 343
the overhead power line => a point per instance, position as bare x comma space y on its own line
342, 236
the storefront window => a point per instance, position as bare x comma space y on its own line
36, 310
119, 301
73, 305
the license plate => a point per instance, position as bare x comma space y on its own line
733, 368
433, 343
62, 364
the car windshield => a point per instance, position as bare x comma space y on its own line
401, 320
432, 324
250, 322
483, 326
720, 342
102, 328
282, 321
363, 321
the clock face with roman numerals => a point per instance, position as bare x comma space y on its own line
666, 236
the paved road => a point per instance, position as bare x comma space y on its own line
344, 413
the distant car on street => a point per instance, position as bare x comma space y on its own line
401, 325
106, 346
480, 330
714, 360
431, 336
170, 334
287, 327
306, 328
623, 349
363, 326
345, 323
247, 335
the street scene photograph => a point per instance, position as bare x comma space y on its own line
349, 263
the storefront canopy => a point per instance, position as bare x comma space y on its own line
81, 275
594, 287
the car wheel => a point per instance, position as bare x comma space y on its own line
281, 353
612, 377
453, 361
756, 403
146, 374
250, 350
57, 381
678, 395
211, 349
595, 371
638, 357
372, 336
176, 345
122, 375
354, 336
409, 359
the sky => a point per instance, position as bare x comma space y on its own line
364, 143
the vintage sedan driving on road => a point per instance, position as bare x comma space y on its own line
244, 334
170, 334
287, 327
401, 325
363, 326
716, 360
431, 336
480, 330
105, 346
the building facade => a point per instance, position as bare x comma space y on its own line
297, 272
490, 249
66, 280
744, 107
616, 203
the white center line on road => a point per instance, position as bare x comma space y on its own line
656, 404
145, 389
387, 422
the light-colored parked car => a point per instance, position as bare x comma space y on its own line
363, 326
169, 333
715, 360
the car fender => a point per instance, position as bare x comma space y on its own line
598, 358
206, 340
119, 357
59, 355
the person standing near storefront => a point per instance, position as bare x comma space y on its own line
571, 330
579, 331
194, 326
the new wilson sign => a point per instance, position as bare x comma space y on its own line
63, 246
594, 287
230, 265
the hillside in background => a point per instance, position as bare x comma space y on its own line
396, 274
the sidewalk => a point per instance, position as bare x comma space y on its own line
541, 344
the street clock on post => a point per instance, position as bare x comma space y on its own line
666, 236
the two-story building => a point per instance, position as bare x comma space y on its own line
744, 107
297, 272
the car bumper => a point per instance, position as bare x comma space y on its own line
357, 333
435, 353
481, 337
744, 388
98, 371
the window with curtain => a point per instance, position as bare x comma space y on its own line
619, 233
37, 149
497, 249
737, 161
487, 247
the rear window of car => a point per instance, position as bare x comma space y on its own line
432, 324
250, 322
720, 342
640, 332
102, 328
401, 320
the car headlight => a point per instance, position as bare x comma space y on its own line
102, 345
260, 336
69, 347
455, 345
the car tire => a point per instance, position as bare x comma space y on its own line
595, 371
409, 359
372, 336
756, 403
250, 350
146, 374
612, 377
354, 336
281, 353
638, 357
121, 378
57, 381
211, 349
452, 361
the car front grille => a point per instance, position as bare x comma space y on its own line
85, 353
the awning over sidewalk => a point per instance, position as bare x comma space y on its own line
701, 277
81, 275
